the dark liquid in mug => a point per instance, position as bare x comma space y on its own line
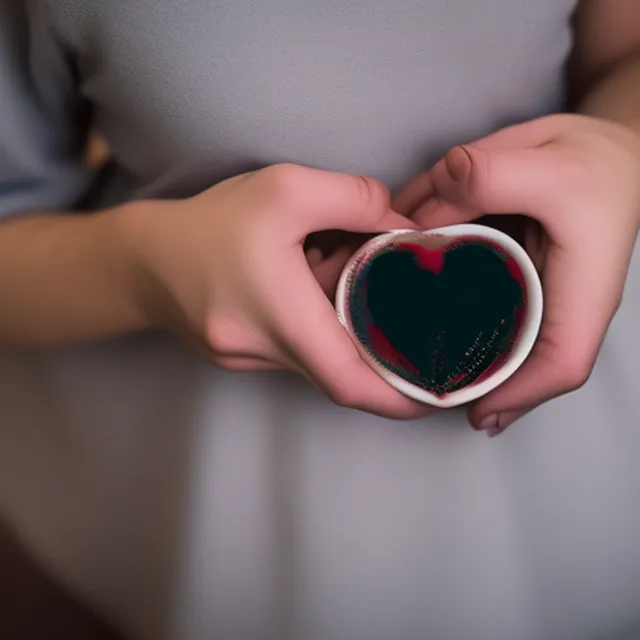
441, 317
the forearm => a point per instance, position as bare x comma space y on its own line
65, 279
616, 96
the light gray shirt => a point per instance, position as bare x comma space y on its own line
189, 503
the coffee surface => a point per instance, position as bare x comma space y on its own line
442, 318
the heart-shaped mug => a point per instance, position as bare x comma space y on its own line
445, 315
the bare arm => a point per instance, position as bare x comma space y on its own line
66, 278
605, 70
62, 277
69, 278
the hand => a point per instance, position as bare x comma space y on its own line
578, 181
227, 271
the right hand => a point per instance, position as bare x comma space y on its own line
227, 271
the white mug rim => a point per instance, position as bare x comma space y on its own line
522, 348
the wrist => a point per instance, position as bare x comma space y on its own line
124, 230
139, 231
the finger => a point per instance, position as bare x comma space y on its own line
503, 421
527, 135
313, 337
419, 193
328, 271
436, 213
575, 321
328, 242
535, 243
413, 195
314, 200
314, 257
471, 182
246, 364
231, 362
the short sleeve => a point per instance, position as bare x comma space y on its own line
42, 116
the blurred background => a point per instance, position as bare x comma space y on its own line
32, 605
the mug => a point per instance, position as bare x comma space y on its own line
445, 315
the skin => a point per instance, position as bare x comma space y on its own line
576, 178
212, 268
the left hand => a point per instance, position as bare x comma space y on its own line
577, 179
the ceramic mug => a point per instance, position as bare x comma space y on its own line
445, 315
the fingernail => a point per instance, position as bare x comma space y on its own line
505, 420
314, 257
458, 163
489, 423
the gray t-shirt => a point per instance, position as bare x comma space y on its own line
194, 504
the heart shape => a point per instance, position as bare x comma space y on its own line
442, 313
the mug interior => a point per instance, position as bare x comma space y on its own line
443, 314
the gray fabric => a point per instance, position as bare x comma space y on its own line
42, 113
195, 504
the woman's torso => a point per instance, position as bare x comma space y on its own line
247, 506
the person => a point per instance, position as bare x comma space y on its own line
189, 501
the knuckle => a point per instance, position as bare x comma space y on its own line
574, 171
555, 119
480, 182
343, 398
223, 336
345, 395
216, 359
349, 388
374, 193
231, 364
617, 303
222, 362
280, 180
574, 372
379, 200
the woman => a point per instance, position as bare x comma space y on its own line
192, 501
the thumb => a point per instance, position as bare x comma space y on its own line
471, 181
316, 200
581, 297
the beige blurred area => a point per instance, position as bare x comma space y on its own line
33, 606
97, 150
